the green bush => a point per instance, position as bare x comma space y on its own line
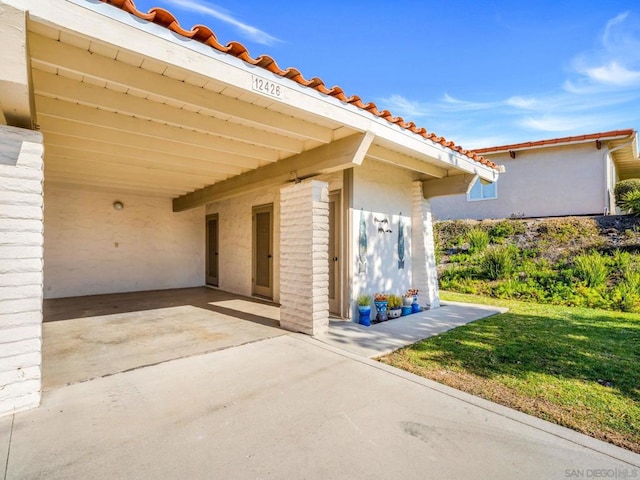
591, 269
625, 186
498, 262
630, 202
478, 240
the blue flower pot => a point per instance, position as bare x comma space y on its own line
407, 310
381, 307
365, 315
415, 308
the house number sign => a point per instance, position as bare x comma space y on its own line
267, 87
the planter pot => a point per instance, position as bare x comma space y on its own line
381, 308
365, 315
406, 310
415, 308
394, 313
407, 301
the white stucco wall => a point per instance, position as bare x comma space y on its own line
381, 191
20, 269
235, 232
235, 247
91, 248
555, 181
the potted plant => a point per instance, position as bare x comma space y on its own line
394, 302
415, 306
380, 300
364, 309
407, 300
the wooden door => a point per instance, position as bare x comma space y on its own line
335, 274
263, 251
212, 250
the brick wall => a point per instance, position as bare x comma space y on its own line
21, 245
304, 261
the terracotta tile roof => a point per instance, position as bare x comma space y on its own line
205, 35
557, 141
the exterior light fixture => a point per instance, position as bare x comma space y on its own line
118, 205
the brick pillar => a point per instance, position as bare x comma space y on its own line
21, 267
304, 257
425, 274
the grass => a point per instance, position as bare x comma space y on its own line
576, 367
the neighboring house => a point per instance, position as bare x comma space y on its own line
171, 161
560, 176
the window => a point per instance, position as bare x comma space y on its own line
482, 192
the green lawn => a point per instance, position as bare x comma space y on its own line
577, 367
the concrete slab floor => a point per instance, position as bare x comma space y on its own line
149, 328
289, 407
386, 337
6, 425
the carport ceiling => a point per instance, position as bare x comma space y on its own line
113, 119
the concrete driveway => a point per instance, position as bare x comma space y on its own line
288, 407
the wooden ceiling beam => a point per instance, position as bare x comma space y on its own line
344, 153
125, 139
102, 118
67, 160
56, 86
141, 157
453, 185
83, 62
385, 155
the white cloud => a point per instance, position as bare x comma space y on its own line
455, 104
399, 105
614, 74
614, 64
611, 24
554, 123
220, 13
521, 102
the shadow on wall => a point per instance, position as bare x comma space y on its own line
382, 272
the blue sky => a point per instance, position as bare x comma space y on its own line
480, 73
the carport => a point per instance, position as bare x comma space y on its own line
99, 335
140, 156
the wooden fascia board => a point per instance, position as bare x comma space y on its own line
453, 185
339, 155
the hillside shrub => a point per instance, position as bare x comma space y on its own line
498, 262
573, 261
630, 202
478, 240
624, 187
591, 268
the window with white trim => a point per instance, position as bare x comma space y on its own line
479, 191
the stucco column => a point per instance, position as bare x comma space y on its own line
425, 274
21, 268
304, 257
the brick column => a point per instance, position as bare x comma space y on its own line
425, 274
304, 257
21, 267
